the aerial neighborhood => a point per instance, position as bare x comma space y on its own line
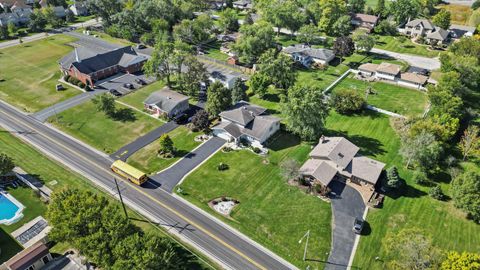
250, 134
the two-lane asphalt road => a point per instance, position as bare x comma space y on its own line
226, 246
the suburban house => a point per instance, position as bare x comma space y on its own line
33, 257
166, 102
243, 4
426, 29
391, 72
226, 78
19, 13
6, 18
307, 55
89, 66
5, 4
246, 122
459, 31
336, 158
79, 8
364, 21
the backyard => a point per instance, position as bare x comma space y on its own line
399, 45
106, 134
414, 208
29, 73
136, 98
390, 97
147, 160
270, 211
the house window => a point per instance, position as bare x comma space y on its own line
45, 259
32, 267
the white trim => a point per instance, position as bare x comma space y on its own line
357, 240
18, 214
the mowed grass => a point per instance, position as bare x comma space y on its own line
447, 226
147, 159
96, 129
8, 246
387, 96
391, 43
136, 98
270, 211
29, 73
460, 14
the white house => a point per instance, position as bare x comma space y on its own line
246, 122
412, 80
307, 55
391, 72
79, 8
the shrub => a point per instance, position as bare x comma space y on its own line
420, 178
227, 149
66, 78
256, 150
222, 166
436, 193
393, 179
81, 84
302, 181
346, 101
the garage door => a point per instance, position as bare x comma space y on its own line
222, 134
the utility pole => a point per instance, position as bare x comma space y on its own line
306, 244
121, 199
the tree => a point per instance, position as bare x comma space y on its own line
442, 126
259, 83
12, 29
195, 32
52, 19
290, 169
331, 11
436, 193
380, 8
200, 120
37, 21
465, 260
411, 249
69, 16
343, 46
278, 67
402, 10
308, 34
466, 193
422, 150
166, 146
475, 5
393, 179
195, 73
256, 39
6, 164
347, 101
342, 26
363, 41
105, 9
284, 14
305, 111
238, 91
385, 28
3, 32
356, 6
229, 20
219, 98
442, 19
470, 142
160, 62
105, 103
445, 97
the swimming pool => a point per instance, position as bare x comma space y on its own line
10, 209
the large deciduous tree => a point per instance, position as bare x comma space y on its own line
278, 67
466, 193
470, 142
402, 10
347, 101
239, 91
332, 10
442, 19
343, 46
229, 20
6, 164
219, 98
200, 120
305, 111
105, 9
160, 63
422, 150
195, 73
363, 41
256, 39
105, 103
308, 34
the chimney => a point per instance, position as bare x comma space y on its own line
322, 139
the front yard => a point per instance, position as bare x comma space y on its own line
29, 73
390, 97
136, 98
394, 44
96, 129
270, 211
147, 160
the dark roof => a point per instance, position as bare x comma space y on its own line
88, 61
242, 113
317, 53
27, 257
165, 99
365, 18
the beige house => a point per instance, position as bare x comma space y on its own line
425, 28
391, 72
364, 21
336, 158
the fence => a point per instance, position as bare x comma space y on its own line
337, 81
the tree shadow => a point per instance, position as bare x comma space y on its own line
124, 115
367, 229
271, 97
282, 140
368, 146
405, 191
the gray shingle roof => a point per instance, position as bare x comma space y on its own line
366, 168
421, 22
439, 34
165, 99
337, 149
319, 169
317, 53
242, 113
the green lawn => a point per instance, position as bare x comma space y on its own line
8, 246
147, 159
389, 97
136, 98
270, 211
371, 3
29, 73
213, 51
447, 226
390, 43
96, 129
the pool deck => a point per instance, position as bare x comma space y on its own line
18, 214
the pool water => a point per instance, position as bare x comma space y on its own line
8, 209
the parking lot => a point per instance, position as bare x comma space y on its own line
117, 82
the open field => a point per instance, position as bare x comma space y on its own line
440, 220
96, 129
390, 43
136, 98
29, 73
47, 170
387, 96
460, 14
147, 159
270, 211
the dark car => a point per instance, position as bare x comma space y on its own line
115, 92
140, 81
358, 225
128, 86
141, 46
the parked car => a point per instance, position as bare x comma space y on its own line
59, 87
141, 46
140, 81
128, 86
358, 225
115, 93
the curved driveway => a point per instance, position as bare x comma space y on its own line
347, 205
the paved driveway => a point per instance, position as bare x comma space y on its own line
170, 177
346, 206
413, 60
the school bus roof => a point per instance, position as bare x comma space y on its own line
128, 169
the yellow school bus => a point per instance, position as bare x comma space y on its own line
132, 174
